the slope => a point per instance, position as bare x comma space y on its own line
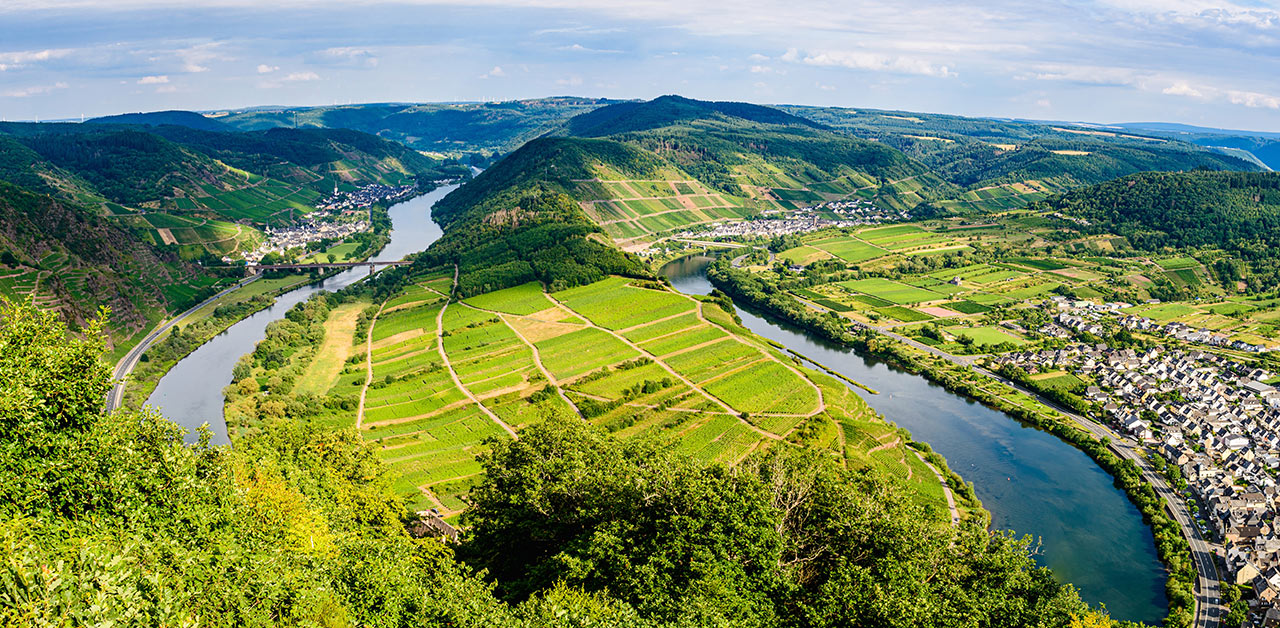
67, 258
451, 128
188, 119
1020, 161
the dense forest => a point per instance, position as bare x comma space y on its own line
978, 152
110, 518
515, 223
1235, 211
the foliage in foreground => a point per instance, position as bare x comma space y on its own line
109, 519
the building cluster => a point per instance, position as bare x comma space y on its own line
1087, 317
1076, 219
365, 197
308, 230
1215, 419
860, 210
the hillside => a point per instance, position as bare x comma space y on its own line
188, 119
135, 204
66, 258
1003, 163
1238, 212
677, 163
452, 128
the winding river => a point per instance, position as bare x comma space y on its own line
1033, 483
191, 392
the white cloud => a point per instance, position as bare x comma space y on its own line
166, 89
34, 90
153, 80
1253, 99
757, 57
15, 60
349, 55
296, 77
1182, 88
267, 69
761, 69
572, 81
824, 87
497, 71
581, 48
872, 61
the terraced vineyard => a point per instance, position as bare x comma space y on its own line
632, 209
437, 378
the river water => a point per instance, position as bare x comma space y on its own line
1031, 482
191, 392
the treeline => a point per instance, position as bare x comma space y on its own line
1235, 211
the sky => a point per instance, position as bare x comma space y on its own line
1188, 61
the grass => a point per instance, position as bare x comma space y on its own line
600, 302
894, 292
334, 350
986, 336
523, 299
904, 314
850, 250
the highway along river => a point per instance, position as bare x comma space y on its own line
1031, 482
191, 392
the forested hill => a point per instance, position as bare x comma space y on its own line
456, 128
1235, 211
629, 117
983, 152
76, 261
136, 212
517, 222
189, 119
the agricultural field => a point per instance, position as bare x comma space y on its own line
643, 209
430, 380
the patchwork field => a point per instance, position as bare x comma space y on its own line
431, 381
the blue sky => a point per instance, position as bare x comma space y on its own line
1207, 63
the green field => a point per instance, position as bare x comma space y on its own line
894, 292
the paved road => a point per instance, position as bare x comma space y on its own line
126, 364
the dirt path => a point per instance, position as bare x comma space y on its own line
444, 357
946, 489
893, 443
537, 357
667, 368
368, 378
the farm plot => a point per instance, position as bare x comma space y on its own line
986, 336
850, 250
523, 299
765, 387
614, 304
587, 349
892, 291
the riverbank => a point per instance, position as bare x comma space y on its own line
167, 348
1171, 543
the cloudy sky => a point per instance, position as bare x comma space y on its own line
1206, 63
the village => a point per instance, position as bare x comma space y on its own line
1215, 420
778, 222
365, 197
298, 236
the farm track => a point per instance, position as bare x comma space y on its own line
537, 357
368, 378
667, 368
444, 356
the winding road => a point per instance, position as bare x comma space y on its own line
130, 360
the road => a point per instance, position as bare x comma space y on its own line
1207, 593
126, 364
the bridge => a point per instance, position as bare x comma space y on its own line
254, 269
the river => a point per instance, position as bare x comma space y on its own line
191, 392
1031, 482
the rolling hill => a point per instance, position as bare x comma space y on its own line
115, 213
1027, 158
452, 128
